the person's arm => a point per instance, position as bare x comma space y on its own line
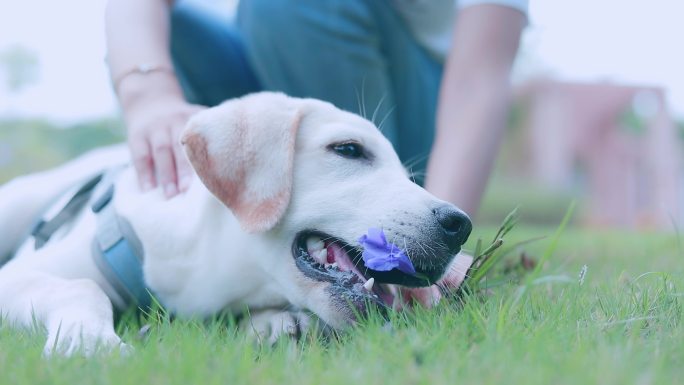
152, 102
473, 103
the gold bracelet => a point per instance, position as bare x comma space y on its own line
140, 69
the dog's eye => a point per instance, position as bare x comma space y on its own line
349, 150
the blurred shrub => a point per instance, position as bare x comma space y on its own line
33, 145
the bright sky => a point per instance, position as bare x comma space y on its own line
68, 37
624, 41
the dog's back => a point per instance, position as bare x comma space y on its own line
24, 199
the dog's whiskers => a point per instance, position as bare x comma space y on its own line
363, 97
432, 250
418, 174
411, 162
406, 250
377, 108
358, 100
382, 122
328, 238
411, 175
421, 246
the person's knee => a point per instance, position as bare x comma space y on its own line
268, 17
185, 16
283, 19
186, 22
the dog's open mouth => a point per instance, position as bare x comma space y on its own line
329, 259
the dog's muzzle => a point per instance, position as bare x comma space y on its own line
326, 258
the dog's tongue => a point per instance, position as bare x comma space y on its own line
452, 280
337, 254
456, 274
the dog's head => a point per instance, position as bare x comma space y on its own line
310, 180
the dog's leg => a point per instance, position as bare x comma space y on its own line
76, 313
268, 326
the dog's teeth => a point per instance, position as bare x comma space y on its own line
322, 256
369, 284
314, 244
334, 265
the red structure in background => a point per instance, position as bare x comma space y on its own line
623, 142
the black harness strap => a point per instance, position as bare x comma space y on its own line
116, 249
45, 229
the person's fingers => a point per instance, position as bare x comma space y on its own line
141, 156
164, 163
183, 167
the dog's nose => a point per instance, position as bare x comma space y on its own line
455, 223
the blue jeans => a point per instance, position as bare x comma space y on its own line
356, 54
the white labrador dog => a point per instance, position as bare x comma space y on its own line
286, 188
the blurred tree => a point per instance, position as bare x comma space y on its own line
20, 67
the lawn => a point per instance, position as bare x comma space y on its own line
621, 325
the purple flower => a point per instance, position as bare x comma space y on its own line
380, 255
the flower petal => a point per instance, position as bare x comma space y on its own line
404, 264
381, 264
375, 237
379, 255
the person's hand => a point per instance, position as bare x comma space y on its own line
154, 129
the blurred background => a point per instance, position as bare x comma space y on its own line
598, 114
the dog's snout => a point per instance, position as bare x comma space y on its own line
455, 223
452, 219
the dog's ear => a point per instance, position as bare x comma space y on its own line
243, 151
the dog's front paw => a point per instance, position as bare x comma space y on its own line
268, 326
71, 339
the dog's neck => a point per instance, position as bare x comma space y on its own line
187, 240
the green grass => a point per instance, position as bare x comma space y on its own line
623, 325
